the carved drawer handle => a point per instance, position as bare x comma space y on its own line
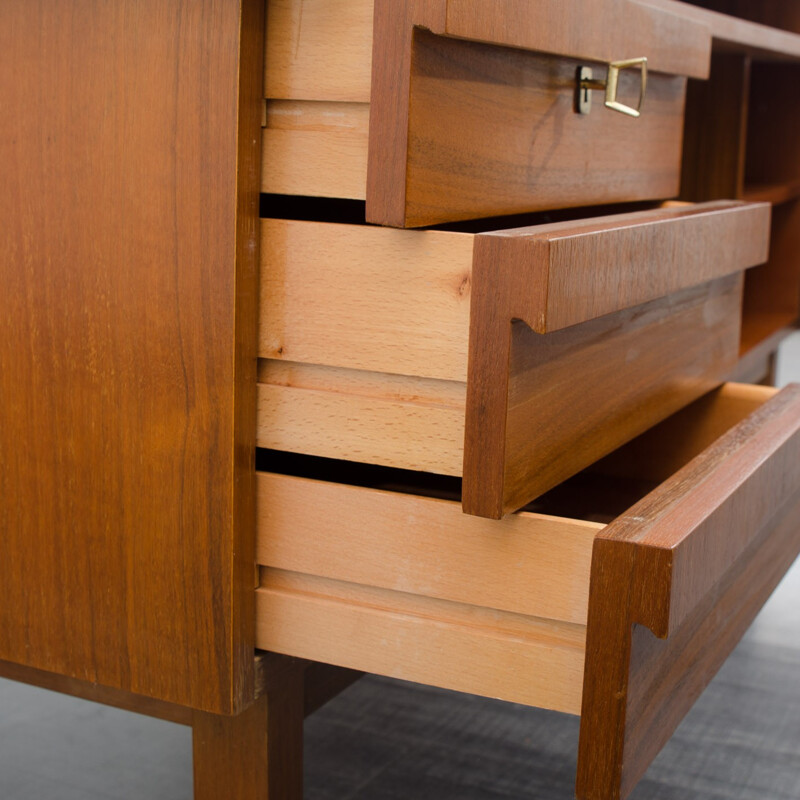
586, 84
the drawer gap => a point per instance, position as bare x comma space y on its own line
352, 212
589, 496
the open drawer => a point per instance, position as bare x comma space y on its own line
470, 109
512, 357
623, 623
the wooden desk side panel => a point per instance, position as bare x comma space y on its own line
129, 268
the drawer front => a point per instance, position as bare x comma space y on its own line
494, 131
675, 583
475, 116
405, 585
516, 357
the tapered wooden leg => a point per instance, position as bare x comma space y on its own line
257, 755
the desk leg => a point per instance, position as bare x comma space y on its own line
257, 755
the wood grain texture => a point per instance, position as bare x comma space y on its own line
324, 285
411, 423
741, 133
613, 30
772, 290
457, 646
471, 94
665, 353
692, 562
322, 50
775, 13
126, 365
734, 34
328, 40
412, 294
716, 131
513, 449
527, 564
393, 34
318, 50
521, 146
315, 163
257, 755
592, 267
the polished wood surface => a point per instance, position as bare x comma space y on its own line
385, 739
521, 145
127, 359
772, 291
616, 29
486, 98
519, 275
364, 593
740, 740
394, 21
775, 13
566, 273
688, 345
321, 683
257, 755
734, 34
691, 564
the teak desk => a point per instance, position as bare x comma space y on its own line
141, 368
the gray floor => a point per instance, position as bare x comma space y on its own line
386, 740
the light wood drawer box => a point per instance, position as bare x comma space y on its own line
475, 116
515, 357
408, 586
